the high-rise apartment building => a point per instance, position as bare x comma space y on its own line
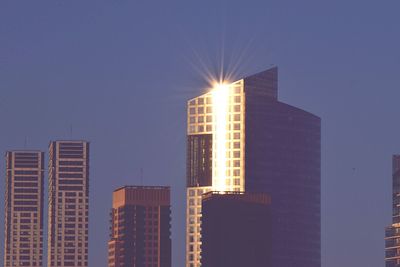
241, 138
68, 214
392, 232
140, 227
24, 209
236, 230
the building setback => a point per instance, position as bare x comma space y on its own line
24, 209
236, 230
241, 138
140, 227
68, 214
392, 232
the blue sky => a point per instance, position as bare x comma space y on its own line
119, 73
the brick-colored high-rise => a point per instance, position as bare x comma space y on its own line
68, 214
23, 244
140, 227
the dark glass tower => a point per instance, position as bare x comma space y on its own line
236, 230
283, 159
392, 233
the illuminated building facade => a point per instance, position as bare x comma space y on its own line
140, 227
223, 214
240, 138
23, 244
392, 233
68, 214
215, 154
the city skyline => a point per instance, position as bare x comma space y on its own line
119, 73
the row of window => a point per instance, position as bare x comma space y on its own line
207, 99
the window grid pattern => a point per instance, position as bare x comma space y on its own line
68, 216
24, 209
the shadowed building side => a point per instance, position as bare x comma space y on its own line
283, 159
236, 230
140, 227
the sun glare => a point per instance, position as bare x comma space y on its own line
220, 100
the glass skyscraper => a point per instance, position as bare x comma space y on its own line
240, 137
392, 232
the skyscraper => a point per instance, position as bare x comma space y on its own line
140, 227
68, 214
23, 244
236, 230
392, 232
242, 138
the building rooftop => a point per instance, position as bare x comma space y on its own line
261, 198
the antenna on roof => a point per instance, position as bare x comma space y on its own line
141, 176
70, 131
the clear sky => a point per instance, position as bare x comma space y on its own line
118, 73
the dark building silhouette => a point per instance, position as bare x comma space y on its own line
140, 227
23, 244
241, 138
236, 230
68, 214
392, 233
